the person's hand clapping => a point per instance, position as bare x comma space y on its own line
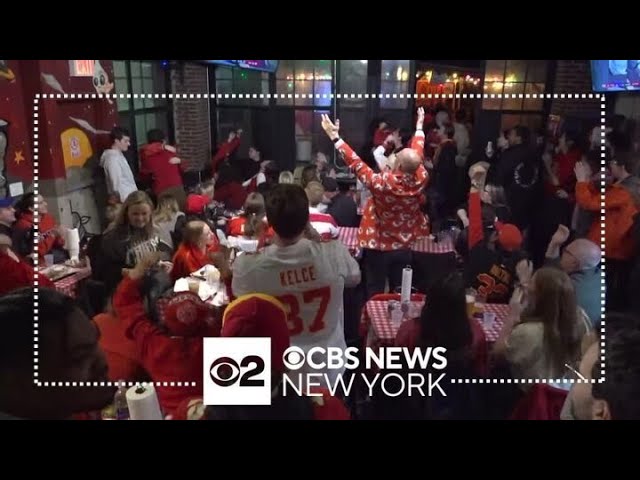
142, 266
582, 171
524, 271
561, 235
516, 306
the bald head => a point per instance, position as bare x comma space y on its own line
408, 160
585, 254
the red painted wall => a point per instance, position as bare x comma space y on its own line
16, 106
13, 111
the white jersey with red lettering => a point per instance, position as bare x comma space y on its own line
309, 279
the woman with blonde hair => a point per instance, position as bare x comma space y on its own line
127, 240
286, 177
169, 220
542, 339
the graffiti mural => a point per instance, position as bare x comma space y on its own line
101, 80
5, 72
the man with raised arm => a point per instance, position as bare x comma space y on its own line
392, 220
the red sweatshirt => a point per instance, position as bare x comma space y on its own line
19, 274
232, 194
563, 166
154, 163
166, 359
226, 149
119, 350
48, 236
620, 209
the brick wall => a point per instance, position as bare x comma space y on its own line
574, 76
191, 115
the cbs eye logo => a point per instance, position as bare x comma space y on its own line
225, 371
293, 358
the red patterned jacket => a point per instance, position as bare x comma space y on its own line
392, 217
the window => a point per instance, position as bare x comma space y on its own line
514, 77
510, 120
394, 80
310, 137
140, 115
238, 80
353, 80
308, 77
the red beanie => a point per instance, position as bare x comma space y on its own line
259, 315
185, 315
509, 236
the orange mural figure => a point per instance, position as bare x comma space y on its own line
6, 72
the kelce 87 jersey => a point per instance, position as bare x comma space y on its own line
309, 279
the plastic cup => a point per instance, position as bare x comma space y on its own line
488, 318
471, 301
48, 260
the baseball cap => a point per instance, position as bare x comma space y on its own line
6, 202
259, 315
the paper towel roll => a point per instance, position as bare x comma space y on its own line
72, 243
143, 403
407, 277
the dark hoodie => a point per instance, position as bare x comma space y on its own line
519, 172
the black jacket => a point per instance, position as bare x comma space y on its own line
344, 210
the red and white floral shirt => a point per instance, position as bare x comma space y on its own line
392, 218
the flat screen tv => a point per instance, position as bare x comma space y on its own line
262, 65
615, 75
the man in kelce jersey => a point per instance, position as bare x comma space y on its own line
308, 277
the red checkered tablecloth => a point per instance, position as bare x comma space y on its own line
427, 245
349, 237
69, 285
384, 332
381, 326
491, 332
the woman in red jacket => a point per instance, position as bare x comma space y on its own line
51, 236
198, 243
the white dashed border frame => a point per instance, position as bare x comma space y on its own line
177, 96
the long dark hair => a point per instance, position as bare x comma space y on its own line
444, 321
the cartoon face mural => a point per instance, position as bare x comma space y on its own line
6, 72
3, 151
101, 80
